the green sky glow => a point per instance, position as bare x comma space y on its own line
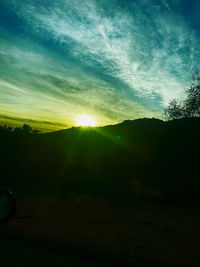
59, 59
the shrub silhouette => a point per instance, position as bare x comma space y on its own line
153, 193
136, 187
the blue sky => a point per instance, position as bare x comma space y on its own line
111, 59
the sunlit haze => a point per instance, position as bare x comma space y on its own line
85, 120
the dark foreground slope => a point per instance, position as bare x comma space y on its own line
148, 158
144, 157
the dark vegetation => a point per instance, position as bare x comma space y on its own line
100, 195
143, 158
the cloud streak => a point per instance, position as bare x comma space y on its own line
115, 61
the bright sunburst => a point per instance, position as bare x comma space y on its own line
85, 120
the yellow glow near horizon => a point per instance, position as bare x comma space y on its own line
85, 120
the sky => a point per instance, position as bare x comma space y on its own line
111, 59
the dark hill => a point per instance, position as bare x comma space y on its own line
145, 157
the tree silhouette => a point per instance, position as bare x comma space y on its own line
25, 130
175, 110
190, 107
192, 103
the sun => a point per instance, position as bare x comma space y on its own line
85, 120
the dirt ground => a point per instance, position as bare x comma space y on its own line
117, 233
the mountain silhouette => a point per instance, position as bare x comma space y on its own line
143, 158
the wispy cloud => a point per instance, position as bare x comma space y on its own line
117, 61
